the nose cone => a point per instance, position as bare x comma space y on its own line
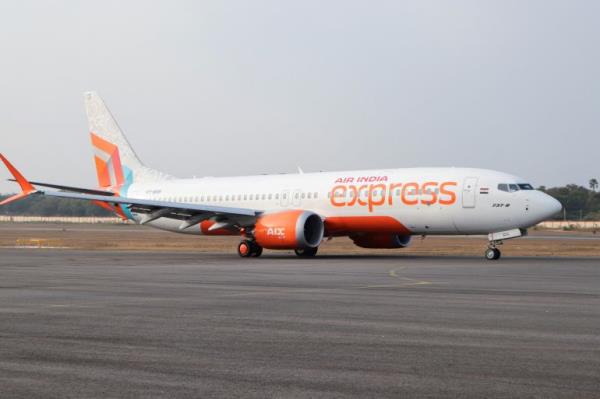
549, 206
539, 207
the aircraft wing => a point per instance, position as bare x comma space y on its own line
189, 214
70, 188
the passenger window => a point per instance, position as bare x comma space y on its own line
284, 196
308, 195
276, 196
270, 196
302, 195
316, 194
264, 197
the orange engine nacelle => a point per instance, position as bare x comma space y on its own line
289, 230
381, 240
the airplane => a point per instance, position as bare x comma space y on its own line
380, 208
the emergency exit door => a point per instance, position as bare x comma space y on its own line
469, 191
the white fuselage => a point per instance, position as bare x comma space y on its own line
423, 200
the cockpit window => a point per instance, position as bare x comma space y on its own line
511, 188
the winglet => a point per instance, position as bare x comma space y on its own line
26, 187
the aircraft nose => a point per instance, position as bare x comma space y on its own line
550, 205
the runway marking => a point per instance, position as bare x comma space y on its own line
406, 281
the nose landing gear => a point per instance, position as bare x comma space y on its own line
492, 253
495, 239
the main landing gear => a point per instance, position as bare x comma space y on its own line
306, 252
247, 249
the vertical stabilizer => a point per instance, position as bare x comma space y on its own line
117, 165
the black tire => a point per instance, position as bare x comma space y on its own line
306, 252
497, 254
490, 254
245, 249
257, 251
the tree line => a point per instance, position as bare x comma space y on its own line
579, 202
38, 205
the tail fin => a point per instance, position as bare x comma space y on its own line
117, 165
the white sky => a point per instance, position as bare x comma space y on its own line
240, 87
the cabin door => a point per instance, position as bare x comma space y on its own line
468, 192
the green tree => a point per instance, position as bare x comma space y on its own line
36, 205
593, 184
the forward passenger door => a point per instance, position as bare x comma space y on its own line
468, 192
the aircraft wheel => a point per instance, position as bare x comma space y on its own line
257, 251
492, 254
306, 252
245, 249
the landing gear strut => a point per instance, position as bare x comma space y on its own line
247, 248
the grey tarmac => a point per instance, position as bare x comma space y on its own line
86, 324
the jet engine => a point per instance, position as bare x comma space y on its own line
381, 240
294, 229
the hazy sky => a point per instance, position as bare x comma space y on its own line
242, 87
